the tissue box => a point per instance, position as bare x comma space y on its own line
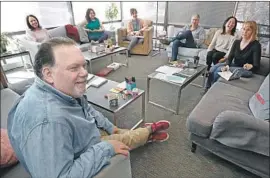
130, 86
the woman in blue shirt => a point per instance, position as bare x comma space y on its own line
94, 27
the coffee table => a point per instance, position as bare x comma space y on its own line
96, 97
200, 69
91, 56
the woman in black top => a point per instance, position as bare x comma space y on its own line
245, 55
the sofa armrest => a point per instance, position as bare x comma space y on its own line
31, 46
242, 131
148, 38
148, 34
119, 167
121, 33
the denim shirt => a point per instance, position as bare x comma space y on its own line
55, 135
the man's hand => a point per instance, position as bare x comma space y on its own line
248, 66
119, 147
225, 68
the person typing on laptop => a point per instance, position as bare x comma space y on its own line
244, 55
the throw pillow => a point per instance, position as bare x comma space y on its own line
8, 156
72, 32
259, 102
210, 35
82, 34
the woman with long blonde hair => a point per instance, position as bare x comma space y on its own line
244, 55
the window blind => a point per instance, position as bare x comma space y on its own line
212, 14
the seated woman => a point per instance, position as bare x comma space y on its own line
36, 32
223, 39
193, 34
244, 55
135, 30
94, 27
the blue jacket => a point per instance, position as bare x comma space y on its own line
55, 135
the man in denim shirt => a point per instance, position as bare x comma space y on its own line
52, 128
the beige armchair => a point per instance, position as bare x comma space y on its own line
144, 48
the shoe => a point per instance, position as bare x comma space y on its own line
165, 41
206, 74
173, 62
158, 126
129, 55
158, 137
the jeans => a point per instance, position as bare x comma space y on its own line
214, 76
187, 35
100, 39
213, 56
133, 41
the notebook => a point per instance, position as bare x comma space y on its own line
89, 77
187, 72
228, 75
97, 82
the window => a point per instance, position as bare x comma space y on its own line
146, 10
259, 12
79, 10
13, 14
212, 14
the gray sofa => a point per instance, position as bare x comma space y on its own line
184, 52
223, 123
119, 166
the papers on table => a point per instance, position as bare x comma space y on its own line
122, 85
168, 70
171, 78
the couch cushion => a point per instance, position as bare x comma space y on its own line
251, 84
209, 35
220, 97
58, 32
182, 51
16, 171
82, 34
259, 102
264, 67
8, 97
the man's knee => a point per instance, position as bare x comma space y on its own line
187, 32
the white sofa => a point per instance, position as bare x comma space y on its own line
56, 32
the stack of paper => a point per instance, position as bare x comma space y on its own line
168, 70
171, 78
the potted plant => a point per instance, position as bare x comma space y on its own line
111, 14
4, 43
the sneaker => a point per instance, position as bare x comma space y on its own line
165, 41
173, 62
159, 126
158, 137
